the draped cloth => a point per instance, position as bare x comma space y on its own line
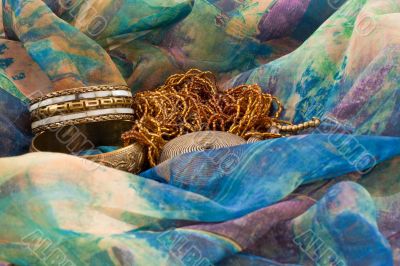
328, 197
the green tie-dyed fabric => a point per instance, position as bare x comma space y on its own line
328, 197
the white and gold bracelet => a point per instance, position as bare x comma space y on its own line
81, 105
80, 119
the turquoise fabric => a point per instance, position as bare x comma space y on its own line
327, 197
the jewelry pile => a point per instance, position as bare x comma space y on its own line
193, 102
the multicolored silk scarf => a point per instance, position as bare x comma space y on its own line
330, 197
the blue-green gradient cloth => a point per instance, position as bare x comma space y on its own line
328, 197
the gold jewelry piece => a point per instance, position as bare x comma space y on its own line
75, 139
84, 120
80, 90
199, 141
192, 102
129, 159
79, 106
76, 120
314, 122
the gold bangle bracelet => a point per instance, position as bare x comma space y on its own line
85, 120
79, 106
80, 90
129, 159
75, 139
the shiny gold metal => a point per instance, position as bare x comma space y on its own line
128, 159
80, 90
198, 141
314, 122
79, 106
75, 139
86, 120
317, 121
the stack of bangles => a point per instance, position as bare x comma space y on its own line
81, 119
